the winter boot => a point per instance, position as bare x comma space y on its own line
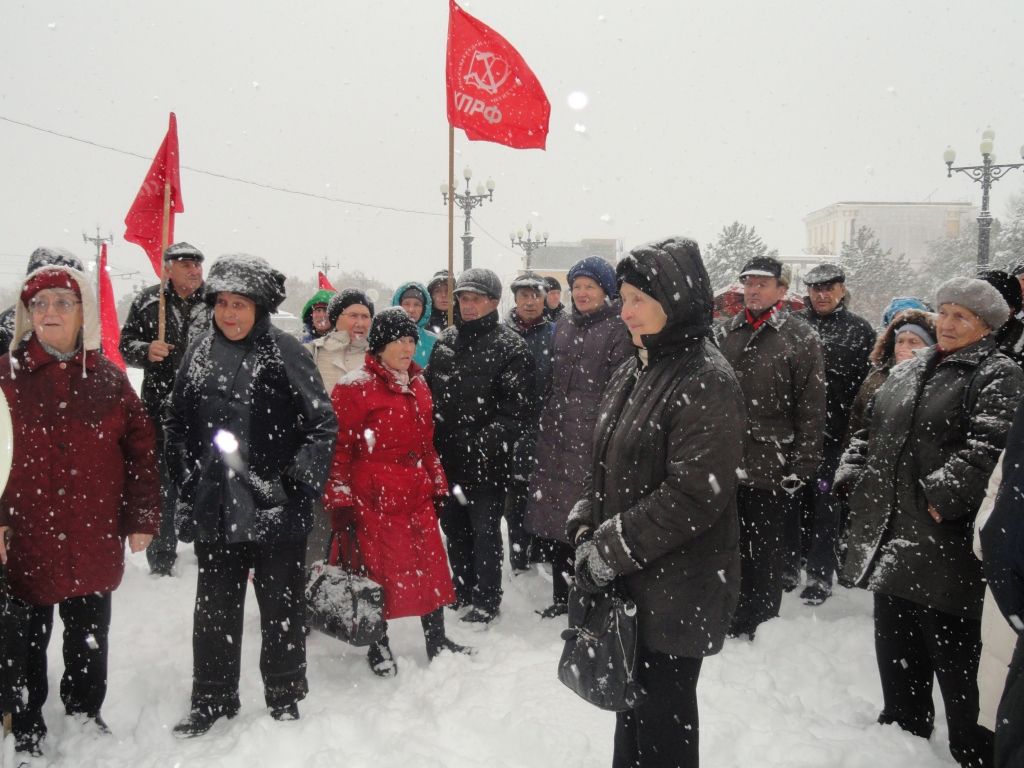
815, 593
480, 618
202, 716
29, 731
381, 660
553, 611
285, 713
437, 640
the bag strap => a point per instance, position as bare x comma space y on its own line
355, 555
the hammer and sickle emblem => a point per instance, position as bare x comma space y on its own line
487, 71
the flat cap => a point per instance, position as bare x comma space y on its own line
824, 274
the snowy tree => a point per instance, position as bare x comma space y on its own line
735, 247
955, 256
1008, 247
873, 275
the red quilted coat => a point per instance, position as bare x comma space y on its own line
84, 474
386, 468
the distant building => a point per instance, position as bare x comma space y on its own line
802, 263
906, 228
555, 259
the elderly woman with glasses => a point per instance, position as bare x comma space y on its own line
84, 479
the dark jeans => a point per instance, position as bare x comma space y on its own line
83, 686
1010, 716
663, 732
520, 543
762, 555
821, 518
279, 578
473, 531
913, 644
163, 550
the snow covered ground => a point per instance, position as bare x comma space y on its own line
804, 693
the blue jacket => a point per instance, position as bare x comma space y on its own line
427, 339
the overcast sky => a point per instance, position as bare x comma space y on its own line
699, 114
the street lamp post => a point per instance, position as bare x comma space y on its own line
985, 174
467, 201
529, 244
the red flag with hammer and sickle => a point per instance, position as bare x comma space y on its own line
492, 94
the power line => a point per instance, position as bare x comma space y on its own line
222, 175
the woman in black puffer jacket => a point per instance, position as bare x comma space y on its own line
660, 511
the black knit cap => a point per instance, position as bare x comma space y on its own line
341, 301
1007, 285
553, 284
389, 325
628, 271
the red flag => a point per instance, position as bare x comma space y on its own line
110, 331
325, 284
492, 94
145, 220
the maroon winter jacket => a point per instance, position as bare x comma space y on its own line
84, 474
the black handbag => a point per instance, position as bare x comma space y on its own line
341, 601
599, 659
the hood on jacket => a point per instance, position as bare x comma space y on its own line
677, 278
249, 276
90, 312
885, 347
396, 301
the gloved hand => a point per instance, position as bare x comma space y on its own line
593, 574
792, 484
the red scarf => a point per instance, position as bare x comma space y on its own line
757, 322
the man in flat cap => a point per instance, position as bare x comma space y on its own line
777, 359
846, 340
187, 316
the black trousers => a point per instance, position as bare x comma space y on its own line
762, 555
473, 531
83, 687
820, 521
913, 644
163, 550
520, 543
279, 578
663, 732
1010, 716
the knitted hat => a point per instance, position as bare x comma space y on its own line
825, 274
320, 299
390, 325
598, 270
1007, 285
628, 270
413, 292
553, 284
899, 304
183, 251
48, 279
53, 257
481, 281
342, 301
977, 296
920, 331
529, 280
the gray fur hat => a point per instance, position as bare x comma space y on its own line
976, 295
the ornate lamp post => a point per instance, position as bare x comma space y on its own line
985, 174
467, 201
529, 244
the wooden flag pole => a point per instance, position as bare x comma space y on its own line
451, 225
162, 327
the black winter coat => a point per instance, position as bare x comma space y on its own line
932, 436
846, 343
780, 369
662, 484
538, 338
587, 350
186, 319
481, 376
6, 329
1009, 339
266, 393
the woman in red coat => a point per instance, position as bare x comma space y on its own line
386, 476
84, 479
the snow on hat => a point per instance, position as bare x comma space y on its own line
183, 251
530, 280
552, 283
481, 281
342, 301
977, 296
598, 270
441, 276
763, 266
825, 274
898, 304
57, 257
1016, 269
48, 279
249, 276
1007, 285
628, 271
390, 325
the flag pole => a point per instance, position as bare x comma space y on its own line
451, 225
162, 326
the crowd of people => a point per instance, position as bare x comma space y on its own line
703, 465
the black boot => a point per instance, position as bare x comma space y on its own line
29, 731
437, 640
202, 716
381, 660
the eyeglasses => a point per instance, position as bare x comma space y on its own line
61, 306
